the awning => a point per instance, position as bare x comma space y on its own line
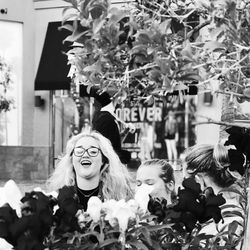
53, 69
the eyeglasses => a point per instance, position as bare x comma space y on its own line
80, 151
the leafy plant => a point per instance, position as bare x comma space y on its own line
154, 49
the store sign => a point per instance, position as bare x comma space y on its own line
140, 114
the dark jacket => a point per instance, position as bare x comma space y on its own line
105, 123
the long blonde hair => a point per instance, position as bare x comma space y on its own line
114, 177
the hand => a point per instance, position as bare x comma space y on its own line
131, 127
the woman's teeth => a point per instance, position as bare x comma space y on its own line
85, 163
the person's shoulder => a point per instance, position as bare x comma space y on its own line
104, 115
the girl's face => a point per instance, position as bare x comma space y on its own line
150, 176
87, 158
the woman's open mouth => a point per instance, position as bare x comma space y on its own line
85, 163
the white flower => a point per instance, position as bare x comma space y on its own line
94, 208
142, 196
134, 205
123, 214
4, 245
120, 212
10, 193
81, 218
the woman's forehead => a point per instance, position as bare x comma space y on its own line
87, 141
148, 172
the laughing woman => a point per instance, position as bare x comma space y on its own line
91, 167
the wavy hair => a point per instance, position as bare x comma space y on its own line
114, 177
210, 159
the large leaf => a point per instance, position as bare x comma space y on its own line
139, 49
189, 77
75, 37
164, 65
187, 51
96, 11
232, 227
70, 16
73, 2
97, 25
108, 242
138, 245
67, 27
165, 25
144, 38
213, 45
116, 15
145, 232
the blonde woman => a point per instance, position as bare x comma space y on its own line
93, 168
209, 164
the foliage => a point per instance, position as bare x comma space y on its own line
117, 224
155, 49
6, 102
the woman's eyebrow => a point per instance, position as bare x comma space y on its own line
149, 180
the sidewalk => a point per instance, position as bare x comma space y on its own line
27, 186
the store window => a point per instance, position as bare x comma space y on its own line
11, 53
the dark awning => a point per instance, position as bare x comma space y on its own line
53, 69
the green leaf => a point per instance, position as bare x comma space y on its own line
75, 37
144, 38
230, 206
180, 86
189, 77
139, 245
187, 51
97, 25
154, 75
213, 45
159, 227
233, 213
139, 49
108, 242
116, 15
233, 190
96, 11
164, 26
66, 9
232, 227
84, 8
146, 233
67, 27
70, 16
164, 65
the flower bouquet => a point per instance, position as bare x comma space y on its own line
142, 223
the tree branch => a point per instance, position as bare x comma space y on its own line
228, 124
197, 28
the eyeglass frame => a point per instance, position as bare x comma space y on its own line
85, 150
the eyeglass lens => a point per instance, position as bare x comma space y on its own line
93, 151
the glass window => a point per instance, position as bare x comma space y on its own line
11, 52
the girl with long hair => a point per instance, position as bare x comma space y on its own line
92, 167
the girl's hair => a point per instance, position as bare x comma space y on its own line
210, 159
167, 171
115, 179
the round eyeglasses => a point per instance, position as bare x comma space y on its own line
80, 151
